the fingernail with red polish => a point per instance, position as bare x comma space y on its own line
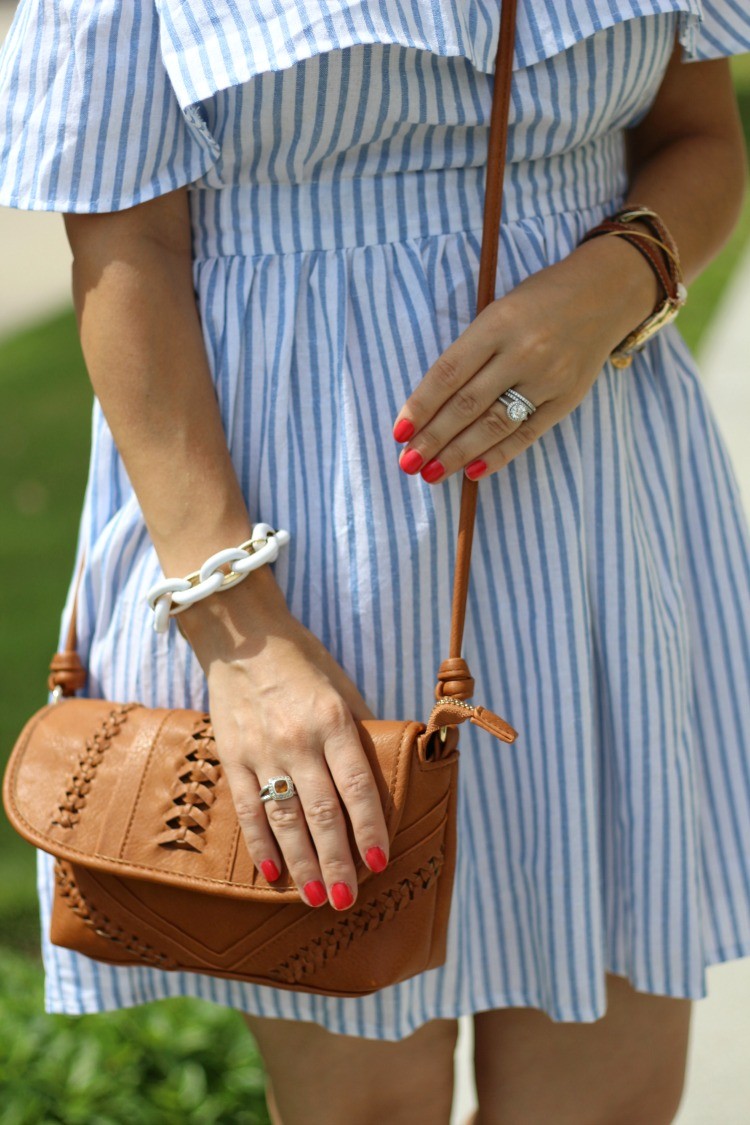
341, 895
315, 892
375, 858
404, 430
475, 469
270, 870
432, 471
410, 461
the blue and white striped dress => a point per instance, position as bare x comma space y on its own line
335, 156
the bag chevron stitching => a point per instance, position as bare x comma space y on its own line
370, 916
101, 924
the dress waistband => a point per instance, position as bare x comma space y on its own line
326, 214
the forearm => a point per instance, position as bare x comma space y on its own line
697, 186
688, 163
142, 342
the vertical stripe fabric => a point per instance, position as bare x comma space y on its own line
100, 100
336, 255
213, 44
88, 118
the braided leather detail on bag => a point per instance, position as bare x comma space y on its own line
366, 918
193, 792
101, 924
81, 781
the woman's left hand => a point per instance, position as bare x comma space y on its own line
548, 339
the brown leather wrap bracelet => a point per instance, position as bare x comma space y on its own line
660, 251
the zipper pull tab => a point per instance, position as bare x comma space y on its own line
449, 712
488, 720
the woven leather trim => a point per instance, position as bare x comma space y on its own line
81, 781
193, 792
98, 921
372, 914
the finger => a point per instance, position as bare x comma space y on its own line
459, 410
489, 429
261, 843
454, 424
311, 833
324, 817
460, 361
257, 830
352, 773
525, 434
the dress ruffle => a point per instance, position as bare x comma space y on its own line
74, 77
209, 46
89, 120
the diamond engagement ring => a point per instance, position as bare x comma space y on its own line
278, 789
518, 407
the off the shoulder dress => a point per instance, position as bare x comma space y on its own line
335, 153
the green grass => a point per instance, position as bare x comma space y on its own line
179, 1062
46, 399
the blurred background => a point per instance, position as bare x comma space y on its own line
182, 1060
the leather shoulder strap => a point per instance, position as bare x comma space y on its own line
454, 679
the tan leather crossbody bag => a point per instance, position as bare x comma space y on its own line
151, 863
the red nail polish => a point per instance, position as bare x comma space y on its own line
315, 892
432, 471
375, 858
341, 895
270, 870
411, 461
475, 469
404, 430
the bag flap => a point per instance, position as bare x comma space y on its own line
139, 792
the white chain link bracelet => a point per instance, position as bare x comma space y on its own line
171, 596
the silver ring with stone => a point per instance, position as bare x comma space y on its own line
513, 393
516, 411
278, 789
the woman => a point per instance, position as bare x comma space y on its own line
275, 215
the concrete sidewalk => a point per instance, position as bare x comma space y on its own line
35, 264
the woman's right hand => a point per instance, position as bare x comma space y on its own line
280, 704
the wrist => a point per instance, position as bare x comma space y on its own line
219, 623
623, 287
207, 606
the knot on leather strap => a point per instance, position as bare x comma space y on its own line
455, 681
67, 672
193, 792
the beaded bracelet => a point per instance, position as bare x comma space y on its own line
666, 266
171, 596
